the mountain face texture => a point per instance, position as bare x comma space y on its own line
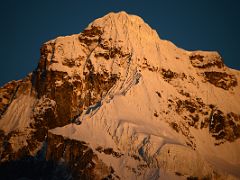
118, 102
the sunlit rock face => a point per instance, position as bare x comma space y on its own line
118, 102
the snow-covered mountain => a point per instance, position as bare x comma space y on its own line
118, 102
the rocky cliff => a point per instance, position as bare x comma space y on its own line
118, 102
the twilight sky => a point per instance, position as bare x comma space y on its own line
192, 25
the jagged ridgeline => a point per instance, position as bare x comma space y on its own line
117, 102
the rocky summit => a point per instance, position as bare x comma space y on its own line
118, 102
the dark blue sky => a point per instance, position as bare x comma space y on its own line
192, 25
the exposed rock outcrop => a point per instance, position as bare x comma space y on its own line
78, 157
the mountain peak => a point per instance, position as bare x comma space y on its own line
121, 16
127, 35
117, 102
123, 23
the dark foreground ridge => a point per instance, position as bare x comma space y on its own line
32, 168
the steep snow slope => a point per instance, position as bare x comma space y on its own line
118, 101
